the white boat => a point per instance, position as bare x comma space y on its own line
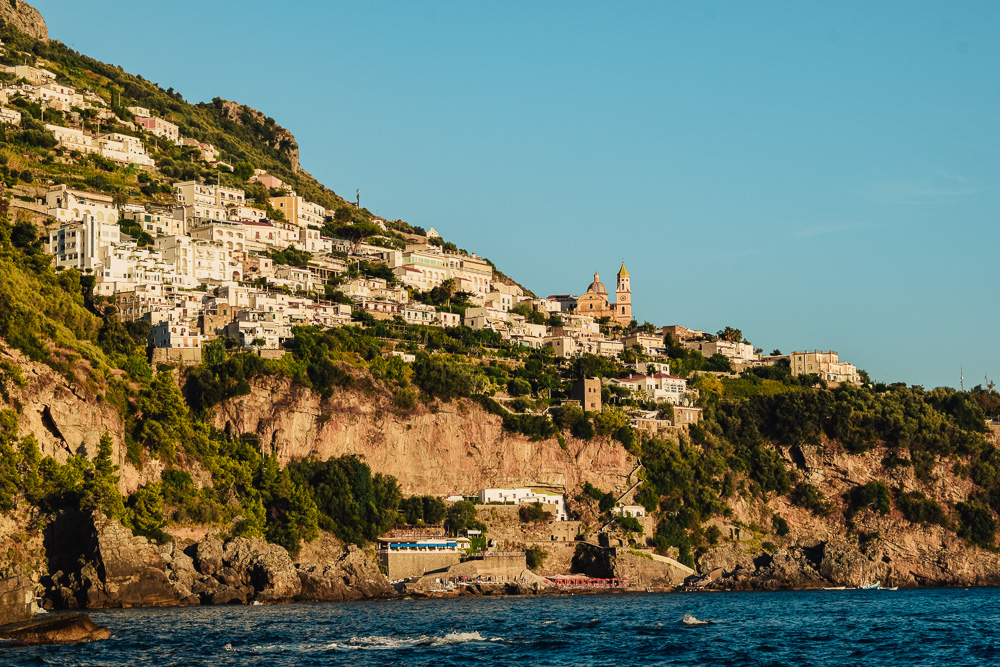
835, 588
889, 588
870, 586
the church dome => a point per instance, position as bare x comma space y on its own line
597, 286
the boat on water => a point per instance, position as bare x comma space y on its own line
889, 588
870, 586
835, 588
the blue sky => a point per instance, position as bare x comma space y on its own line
819, 175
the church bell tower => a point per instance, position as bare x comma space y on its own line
623, 297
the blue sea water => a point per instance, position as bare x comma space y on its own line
925, 627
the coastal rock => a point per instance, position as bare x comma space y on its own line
352, 576
118, 569
54, 629
207, 556
17, 600
265, 568
844, 565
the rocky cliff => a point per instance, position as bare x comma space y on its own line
97, 563
267, 130
822, 550
455, 448
24, 17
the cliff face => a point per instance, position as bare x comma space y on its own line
25, 18
68, 418
818, 550
267, 130
460, 448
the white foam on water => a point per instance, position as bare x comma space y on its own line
383, 642
691, 620
374, 642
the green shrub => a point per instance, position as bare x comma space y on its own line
917, 508
780, 525
874, 495
976, 523
535, 557
533, 513
811, 498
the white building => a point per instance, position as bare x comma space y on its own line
524, 497
73, 139
174, 334
78, 244
197, 261
425, 267
825, 364
193, 193
124, 148
659, 387
67, 205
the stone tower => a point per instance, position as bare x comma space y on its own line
623, 297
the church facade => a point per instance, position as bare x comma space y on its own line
596, 304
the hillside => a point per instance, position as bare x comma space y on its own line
784, 481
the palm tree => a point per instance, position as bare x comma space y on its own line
449, 286
119, 199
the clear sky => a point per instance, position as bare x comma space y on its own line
819, 175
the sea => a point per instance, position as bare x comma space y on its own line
906, 627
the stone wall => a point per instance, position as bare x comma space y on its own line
404, 564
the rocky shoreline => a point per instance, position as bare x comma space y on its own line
103, 565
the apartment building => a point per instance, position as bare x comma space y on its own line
825, 364
192, 193
158, 127
299, 211
68, 205
77, 245
124, 148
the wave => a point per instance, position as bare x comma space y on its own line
363, 643
691, 620
380, 641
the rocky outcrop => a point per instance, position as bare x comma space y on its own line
17, 600
55, 629
269, 132
103, 565
25, 18
456, 448
806, 564
67, 418
351, 576
123, 570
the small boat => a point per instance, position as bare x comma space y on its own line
889, 588
869, 586
835, 588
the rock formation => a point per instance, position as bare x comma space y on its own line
350, 576
114, 568
55, 629
25, 18
269, 132
459, 448
17, 600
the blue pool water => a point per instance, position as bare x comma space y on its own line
928, 627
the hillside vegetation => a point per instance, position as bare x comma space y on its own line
743, 451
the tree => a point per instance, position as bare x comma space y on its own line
243, 170
535, 557
119, 199
356, 233
449, 287
731, 334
